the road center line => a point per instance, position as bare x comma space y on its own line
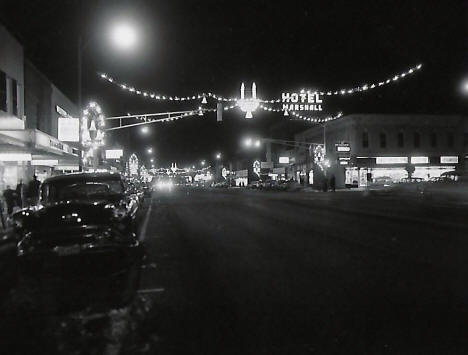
145, 223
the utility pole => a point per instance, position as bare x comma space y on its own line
80, 108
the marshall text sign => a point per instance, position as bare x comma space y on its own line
304, 101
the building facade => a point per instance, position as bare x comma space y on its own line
361, 149
29, 143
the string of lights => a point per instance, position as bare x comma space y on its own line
305, 118
151, 95
362, 88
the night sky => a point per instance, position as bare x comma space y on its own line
189, 47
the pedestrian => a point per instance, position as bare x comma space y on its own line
324, 185
10, 197
332, 183
20, 193
33, 191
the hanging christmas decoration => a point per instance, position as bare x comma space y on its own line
92, 130
151, 95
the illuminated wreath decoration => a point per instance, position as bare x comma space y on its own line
92, 127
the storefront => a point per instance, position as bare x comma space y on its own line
371, 170
25, 153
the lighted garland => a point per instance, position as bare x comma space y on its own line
203, 96
362, 88
157, 97
242, 103
305, 118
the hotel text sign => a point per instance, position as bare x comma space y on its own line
304, 101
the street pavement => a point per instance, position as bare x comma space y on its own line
255, 272
235, 271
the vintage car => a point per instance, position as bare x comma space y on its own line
85, 228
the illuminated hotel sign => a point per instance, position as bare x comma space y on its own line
391, 160
303, 101
284, 160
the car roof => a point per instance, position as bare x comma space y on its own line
84, 176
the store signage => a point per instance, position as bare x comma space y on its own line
44, 162
114, 153
68, 129
241, 173
266, 165
449, 159
56, 144
15, 157
303, 101
284, 160
67, 167
62, 112
419, 160
391, 160
343, 147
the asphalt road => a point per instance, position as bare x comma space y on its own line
254, 272
251, 272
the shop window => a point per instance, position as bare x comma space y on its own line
450, 140
401, 140
365, 139
383, 140
433, 140
417, 139
14, 91
3, 91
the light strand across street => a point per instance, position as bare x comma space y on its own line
361, 88
305, 118
204, 96
158, 97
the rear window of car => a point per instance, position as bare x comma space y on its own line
59, 190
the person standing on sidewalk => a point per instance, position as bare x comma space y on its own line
10, 197
332, 183
33, 191
20, 193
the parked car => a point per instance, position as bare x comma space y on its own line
85, 227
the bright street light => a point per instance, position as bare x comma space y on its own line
202, 162
465, 86
144, 129
152, 160
218, 156
124, 36
249, 142
150, 150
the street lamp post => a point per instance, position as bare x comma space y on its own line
124, 37
80, 109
